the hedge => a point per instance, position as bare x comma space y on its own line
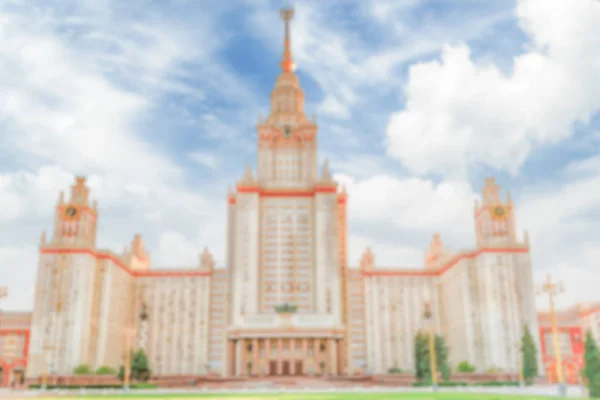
460, 383
441, 384
132, 386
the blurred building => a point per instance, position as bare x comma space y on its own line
572, 325
14, 346
287, 301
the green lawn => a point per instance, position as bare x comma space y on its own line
322, 396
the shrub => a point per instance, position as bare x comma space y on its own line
465, 367
82, 369
497, 383
394, 370
441, 384
105, 370
67, 387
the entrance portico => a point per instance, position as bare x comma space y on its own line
285, 356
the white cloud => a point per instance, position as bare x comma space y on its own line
387, 255
19, 279
460, 112
405, 214
411, 203
207, 159
58, 108
31, 194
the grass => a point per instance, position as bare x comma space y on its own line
317, 396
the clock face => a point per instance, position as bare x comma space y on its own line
71, 211
287, 131
499, 212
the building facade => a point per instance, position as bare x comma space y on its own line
286, 302
572, 325
14, 346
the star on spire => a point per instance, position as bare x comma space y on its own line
287, 65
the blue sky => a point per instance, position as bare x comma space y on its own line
417, 102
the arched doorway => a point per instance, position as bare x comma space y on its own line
2, 372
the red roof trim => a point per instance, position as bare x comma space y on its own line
119, 263
440, 271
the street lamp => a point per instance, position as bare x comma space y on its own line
552, 289
127, 356
427, 314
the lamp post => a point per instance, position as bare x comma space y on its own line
427, 314
127, 356
552, 289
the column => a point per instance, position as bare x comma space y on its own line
340, 353
304, 356
238, 357
255, 361
243, 358
292, 356
332, 358
267, 355
279, 356
316, 356
231, 355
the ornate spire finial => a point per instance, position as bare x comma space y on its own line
325, 174
287, 65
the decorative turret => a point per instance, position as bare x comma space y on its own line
325, 174
367, 260
137, 257
206, 259
248, 179
436, 251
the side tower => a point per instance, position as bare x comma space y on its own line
501, 277
60, 329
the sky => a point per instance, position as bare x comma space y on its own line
417, 101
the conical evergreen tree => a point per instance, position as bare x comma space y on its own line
529, 354
441, 353
420, 352
139, 366
592, 366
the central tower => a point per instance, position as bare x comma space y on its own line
286, 229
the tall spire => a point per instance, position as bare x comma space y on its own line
287, 65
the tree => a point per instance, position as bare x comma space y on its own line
529, 354
465, 367
105, 370
121, 374
421, 354
592, 366
422, 362
82, 369
139, 366
441, 357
